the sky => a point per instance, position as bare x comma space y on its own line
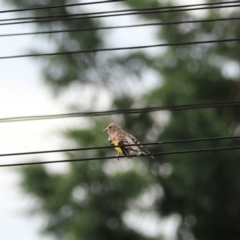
18, 99
22, 93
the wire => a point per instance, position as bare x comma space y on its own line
122, 48
137, 11
123, 111
116, 11
106, 147
88, 3
111, 157
58, 6
119, 27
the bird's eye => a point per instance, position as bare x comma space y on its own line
110, 127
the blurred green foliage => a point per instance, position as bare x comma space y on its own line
89, 202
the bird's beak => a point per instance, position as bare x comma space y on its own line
105, 129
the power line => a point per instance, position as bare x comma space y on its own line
58, 6
106, 147
99, 14
122, 48
112, 157
88, 3
123, 111
115, 11
123, 26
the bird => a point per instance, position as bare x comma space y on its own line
120, 139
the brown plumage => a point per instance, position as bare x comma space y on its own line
120, 139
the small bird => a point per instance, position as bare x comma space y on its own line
120, 139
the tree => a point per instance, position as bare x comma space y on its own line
90, 201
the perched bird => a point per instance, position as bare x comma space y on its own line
121, 139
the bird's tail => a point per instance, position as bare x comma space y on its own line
147, 153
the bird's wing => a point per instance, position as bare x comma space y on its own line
130, 139
133, 139
125, 138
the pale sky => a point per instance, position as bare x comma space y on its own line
22, 93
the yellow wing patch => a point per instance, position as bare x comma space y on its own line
118, 149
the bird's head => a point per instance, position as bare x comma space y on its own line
111, 128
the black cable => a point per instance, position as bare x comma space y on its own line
124, 111
88, 3
114, 157
123, 26
106, 147
117, 11
122, 48
67, 16
138, 11
58, 6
